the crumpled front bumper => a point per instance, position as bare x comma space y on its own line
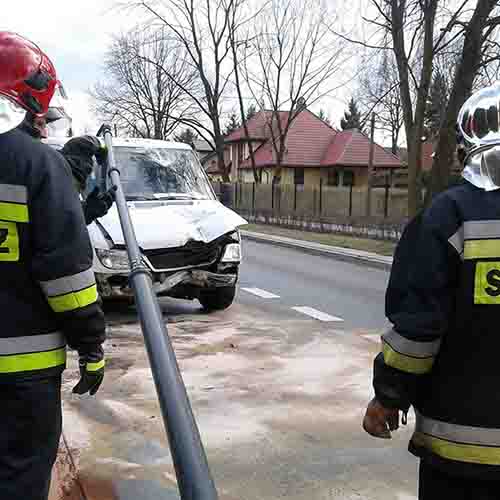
195, 278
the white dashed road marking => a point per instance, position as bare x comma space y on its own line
261, 293
314, 313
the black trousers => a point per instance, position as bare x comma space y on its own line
30, 428
435, 484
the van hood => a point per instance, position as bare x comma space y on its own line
170, 224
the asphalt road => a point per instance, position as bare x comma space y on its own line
350, 292
278, 393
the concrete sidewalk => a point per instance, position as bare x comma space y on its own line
347, 254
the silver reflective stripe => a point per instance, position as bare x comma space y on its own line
68, 284
457, 433
13, 193
457, 241
32, 343
481, 229
410, 347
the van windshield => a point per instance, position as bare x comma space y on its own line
161, 173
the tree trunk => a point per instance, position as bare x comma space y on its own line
219, 149
462, 87
412, 175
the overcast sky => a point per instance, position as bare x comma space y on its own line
75, 34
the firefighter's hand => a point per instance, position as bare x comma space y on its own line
101, 155
380, 421
97, 204
91, 373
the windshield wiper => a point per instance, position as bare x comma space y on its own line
140, 197
176, 196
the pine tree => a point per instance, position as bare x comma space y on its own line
187, 136
436, 105
324, 117
233, 124
251, 112
352, 117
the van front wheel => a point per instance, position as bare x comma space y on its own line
217, 299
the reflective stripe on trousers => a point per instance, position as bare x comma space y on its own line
461, 443
33, 352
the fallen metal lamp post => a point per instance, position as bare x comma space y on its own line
193, 474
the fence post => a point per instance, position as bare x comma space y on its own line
295, 197
320, 197
272, 198
350, 200
386, 197
253, 197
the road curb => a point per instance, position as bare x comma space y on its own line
338, 253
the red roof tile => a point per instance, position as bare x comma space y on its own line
351, 148
257, 127
306, 140
312, 143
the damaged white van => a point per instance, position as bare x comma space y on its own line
189, 240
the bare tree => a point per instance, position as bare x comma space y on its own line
295, 58
238, 42
138, 97
378, 91
417, 31
203, 28
479, 50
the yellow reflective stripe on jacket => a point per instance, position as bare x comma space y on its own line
67, 284
485, 455
409, 364
73, 300
13, 212
16, 363
481, 249
408, 355
457, 442
93, 367
32, 343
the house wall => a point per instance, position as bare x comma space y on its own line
312, 176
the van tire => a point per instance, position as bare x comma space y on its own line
217, 299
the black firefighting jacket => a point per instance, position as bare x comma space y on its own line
48, 294
442, 354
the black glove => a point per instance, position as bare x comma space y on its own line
79, 152
91, 372
97, 204
101, 155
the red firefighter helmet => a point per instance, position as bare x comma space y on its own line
27, 76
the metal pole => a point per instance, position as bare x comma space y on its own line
191, 466
370, 168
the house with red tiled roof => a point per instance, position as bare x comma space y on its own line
315, 152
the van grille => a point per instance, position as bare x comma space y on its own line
193, 254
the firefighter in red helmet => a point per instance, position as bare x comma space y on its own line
48, 295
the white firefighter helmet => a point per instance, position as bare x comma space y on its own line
479, 122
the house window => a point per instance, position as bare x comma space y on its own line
333, 177
348, 179
298, 175
339, 177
